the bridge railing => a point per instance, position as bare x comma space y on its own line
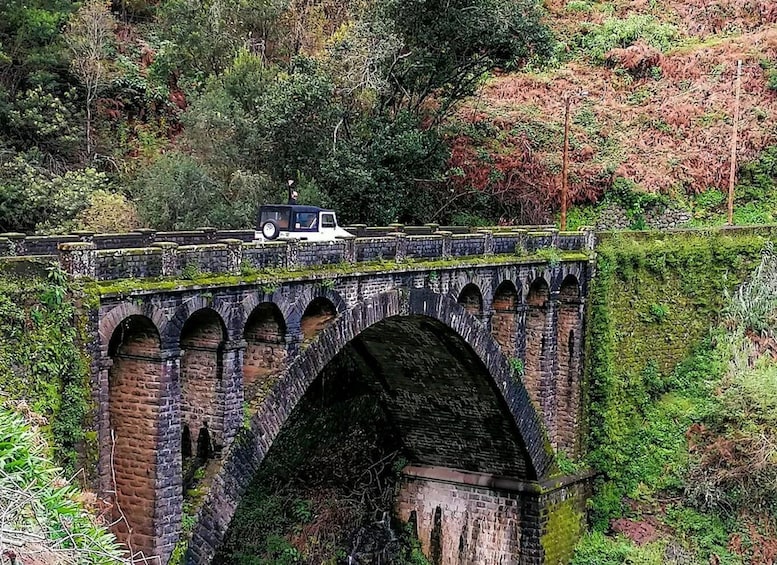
146, 253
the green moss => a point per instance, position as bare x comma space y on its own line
272, 278
565, 524
43, 366
647, 378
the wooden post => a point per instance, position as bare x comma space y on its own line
733, 169
565, 164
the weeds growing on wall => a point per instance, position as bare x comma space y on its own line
654, 377
42, 365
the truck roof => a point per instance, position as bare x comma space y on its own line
297, 207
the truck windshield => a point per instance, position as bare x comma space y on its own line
280, 215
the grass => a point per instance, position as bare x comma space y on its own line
690, 446
42, 515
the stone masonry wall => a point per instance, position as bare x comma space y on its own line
265, 352
88, 258
569, 339
504, 319
129, 263
469, 518
472, 300
562, 519
134, 408
376, 248
461, 524
202, 393
536, 317
658, 217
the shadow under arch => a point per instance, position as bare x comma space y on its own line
471, 298
253, 443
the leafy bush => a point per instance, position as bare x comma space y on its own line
177, 192
33, 199
736, 461
599, 39
108, 212
579, 216
625, 192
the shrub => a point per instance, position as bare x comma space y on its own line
33, 199
177, 192
600, 39
108, 212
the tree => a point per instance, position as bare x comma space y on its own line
445, 46
34, 199
90, 36
204, 36
177, 192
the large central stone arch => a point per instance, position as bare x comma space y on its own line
253, 443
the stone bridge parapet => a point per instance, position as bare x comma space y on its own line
146, 253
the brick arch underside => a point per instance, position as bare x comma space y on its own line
456, 406
439, 397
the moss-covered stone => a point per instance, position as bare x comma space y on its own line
277, 276
565, 525
651, 306
44, 367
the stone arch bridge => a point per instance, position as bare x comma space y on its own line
476, 357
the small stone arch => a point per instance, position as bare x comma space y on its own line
135, 397
569, 333
318, 314
250, 448
266, 350
202, 340
569, 290
172, 330
471, 299
537, 301
110, 320
287, 307
504, 317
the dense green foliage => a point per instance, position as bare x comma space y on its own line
42, 363
43, 519
599, 39
202, 109
674, 437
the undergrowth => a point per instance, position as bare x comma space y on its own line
327, 483
43, 520
42, 366
668, 417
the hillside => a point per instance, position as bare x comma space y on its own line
658, 82
657, 108
183, 113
